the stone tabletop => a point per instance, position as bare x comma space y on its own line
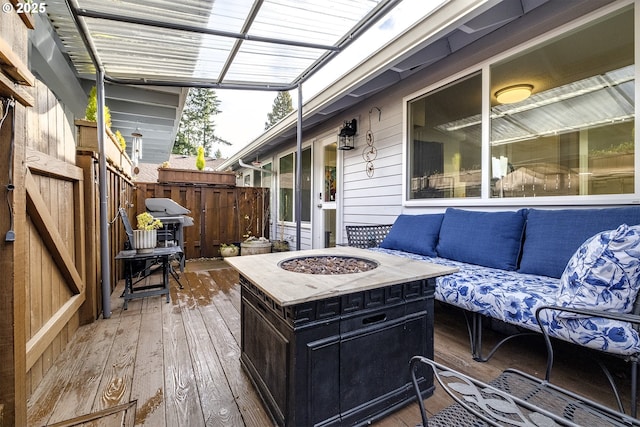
290, 288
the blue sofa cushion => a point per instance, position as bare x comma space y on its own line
604, 273
553, 236
491, 239
417, 234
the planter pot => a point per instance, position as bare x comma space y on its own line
88, 141
229, 251
255, 247
190, 176
145, 240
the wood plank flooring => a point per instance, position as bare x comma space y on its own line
179, 362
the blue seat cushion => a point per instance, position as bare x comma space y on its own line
553, 236
491, 239
514, 298
417, 234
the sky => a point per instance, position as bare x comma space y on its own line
244, 113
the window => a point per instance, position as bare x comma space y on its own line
262, 178
286, 180
573, 136
445, 141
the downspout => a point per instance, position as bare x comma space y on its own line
104, 223
298, 210
244, 165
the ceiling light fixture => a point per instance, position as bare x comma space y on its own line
513, 94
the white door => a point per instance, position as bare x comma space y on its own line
326, 192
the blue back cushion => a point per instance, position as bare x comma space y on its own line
553, 236
491, 239
417, 234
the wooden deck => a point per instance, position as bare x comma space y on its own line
175, 364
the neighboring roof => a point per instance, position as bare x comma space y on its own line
148, 172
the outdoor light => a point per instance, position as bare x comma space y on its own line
136, 146
513, 94
347, 135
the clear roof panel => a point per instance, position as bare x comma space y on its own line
239, 42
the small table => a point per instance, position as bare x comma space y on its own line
160, 255
514, 398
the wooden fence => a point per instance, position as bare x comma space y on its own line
220, 214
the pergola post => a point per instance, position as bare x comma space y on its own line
104, 222
298, 210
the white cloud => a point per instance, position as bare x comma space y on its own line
243, 116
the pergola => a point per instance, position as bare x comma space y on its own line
269, 45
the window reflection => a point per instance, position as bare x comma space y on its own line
445, 141
573, 136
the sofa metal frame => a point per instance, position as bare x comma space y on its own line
370, 236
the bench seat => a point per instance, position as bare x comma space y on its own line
514, 297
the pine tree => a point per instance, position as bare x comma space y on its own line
281, 107
196, 124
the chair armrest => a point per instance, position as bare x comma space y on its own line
634, 319
623, 317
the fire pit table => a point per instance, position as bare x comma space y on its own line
327, 334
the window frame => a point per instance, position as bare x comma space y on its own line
293, 152
484, 68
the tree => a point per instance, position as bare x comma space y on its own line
200, 162
281, 107
196, 124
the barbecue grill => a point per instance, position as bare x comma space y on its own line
174, 218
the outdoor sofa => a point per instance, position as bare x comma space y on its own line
578, 270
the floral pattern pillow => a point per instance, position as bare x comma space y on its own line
604, 273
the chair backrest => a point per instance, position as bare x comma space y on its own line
128, 229
367, 236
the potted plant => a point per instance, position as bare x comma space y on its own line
255, 245
145, 237
228, 250
281, 245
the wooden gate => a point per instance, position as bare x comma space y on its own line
220, 214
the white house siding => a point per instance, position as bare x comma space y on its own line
379, 199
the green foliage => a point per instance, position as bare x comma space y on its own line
200, 159
281, 107
146, 221
196, 124
91, 113
621, 148
121, 140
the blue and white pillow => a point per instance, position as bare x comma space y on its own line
604, 273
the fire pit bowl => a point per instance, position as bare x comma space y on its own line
328, 264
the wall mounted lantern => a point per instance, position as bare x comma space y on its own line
136, 146
347, 135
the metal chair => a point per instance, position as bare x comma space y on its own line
367, 236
